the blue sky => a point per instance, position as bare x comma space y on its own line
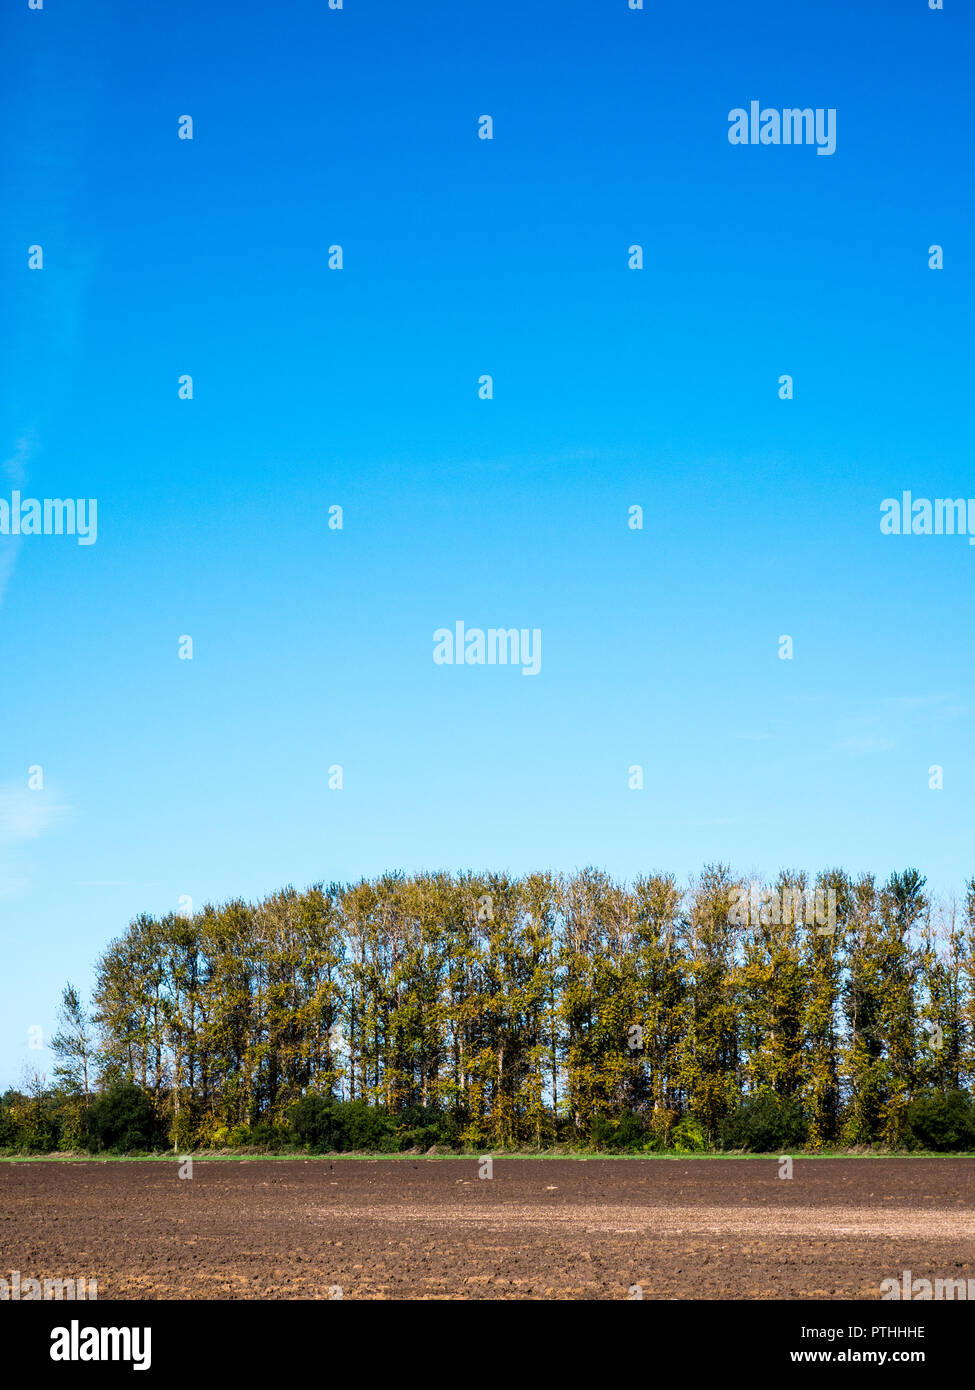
359, 387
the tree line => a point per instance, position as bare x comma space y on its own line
485, 1010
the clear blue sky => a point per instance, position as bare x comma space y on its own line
359, 387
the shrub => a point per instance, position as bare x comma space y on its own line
423, 1127
941, 1120
32, 1123
630, 1132
8, 1126
366, 1127
213, 1136
627, 1134
266, 1135
71, 1121
600, 1132
336, 1126
313, 1122
687, 1136
122, 1121
764, 1124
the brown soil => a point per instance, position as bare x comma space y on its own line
554, 1229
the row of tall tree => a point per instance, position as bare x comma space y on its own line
531, 1010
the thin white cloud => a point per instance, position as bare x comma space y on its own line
943, 706
892, 718
27, 814
868, 744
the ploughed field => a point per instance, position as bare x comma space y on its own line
540, 1229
